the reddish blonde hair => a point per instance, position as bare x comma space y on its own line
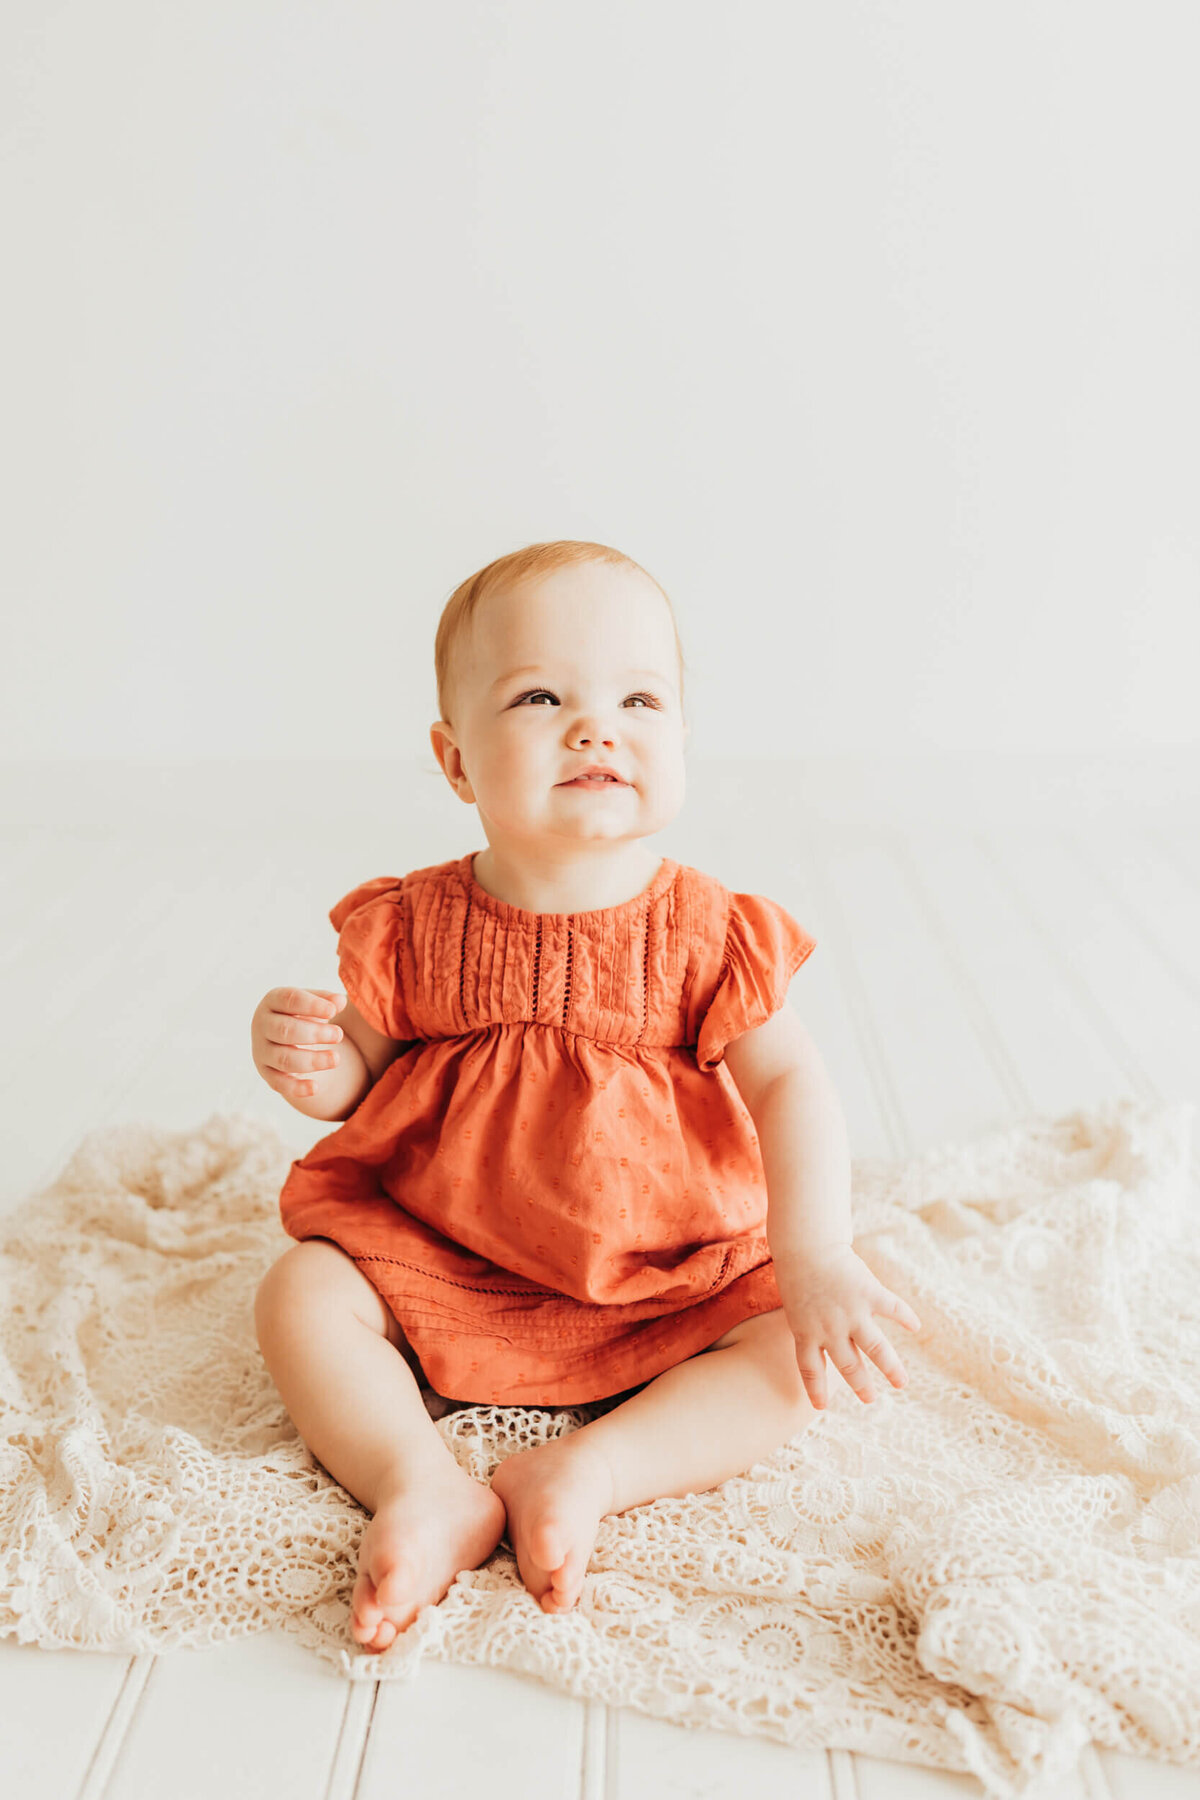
509, 571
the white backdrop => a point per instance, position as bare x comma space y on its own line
870, 329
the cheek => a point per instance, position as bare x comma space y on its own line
516, 757
666, 752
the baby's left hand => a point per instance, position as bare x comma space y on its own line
829, 1298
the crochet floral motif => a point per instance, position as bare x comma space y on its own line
980, 1572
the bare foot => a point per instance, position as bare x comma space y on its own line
422, 1535
555, 1496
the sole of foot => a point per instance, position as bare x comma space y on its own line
555, 1496
422, 1535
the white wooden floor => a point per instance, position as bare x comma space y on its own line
987, 946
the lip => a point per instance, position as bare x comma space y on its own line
596, 769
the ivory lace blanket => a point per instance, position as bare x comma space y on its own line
980, 1572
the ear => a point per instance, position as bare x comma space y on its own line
450, 760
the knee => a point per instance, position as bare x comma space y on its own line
769, 1340
294, 1281
314, 1279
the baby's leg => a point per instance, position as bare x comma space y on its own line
336, 1355
691, 1428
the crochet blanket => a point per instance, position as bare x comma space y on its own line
981, 1572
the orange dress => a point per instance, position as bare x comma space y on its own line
556, 1186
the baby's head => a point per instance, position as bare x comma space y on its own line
549, 660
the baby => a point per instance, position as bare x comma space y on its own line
585, 1152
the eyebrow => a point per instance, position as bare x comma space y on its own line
535, 669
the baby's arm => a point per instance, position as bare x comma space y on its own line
829, 1294
801, 1132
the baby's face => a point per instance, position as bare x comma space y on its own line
579, 668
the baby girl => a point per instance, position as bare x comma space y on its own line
586, 1152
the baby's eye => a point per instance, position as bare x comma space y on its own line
536, 693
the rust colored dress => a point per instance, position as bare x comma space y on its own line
556, 1186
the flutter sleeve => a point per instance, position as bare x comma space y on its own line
764, 946
369, 921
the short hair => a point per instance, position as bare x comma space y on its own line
509, 571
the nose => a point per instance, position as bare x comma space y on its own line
581, 735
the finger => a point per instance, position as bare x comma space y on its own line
307, 1003
872, 1343
811, 1364
329, 997
286, 1028
850, 1367
289, 1084
300, 1062
893, 1307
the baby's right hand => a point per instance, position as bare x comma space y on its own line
286, 1023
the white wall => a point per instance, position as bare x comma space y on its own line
870, 329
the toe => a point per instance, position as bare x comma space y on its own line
566, 1582
364, 1606
378, 1638
548, 1544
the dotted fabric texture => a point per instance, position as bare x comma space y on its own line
977, 1573
556, 1185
